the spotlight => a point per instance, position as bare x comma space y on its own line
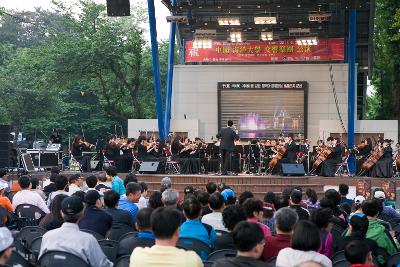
229, 21
265, 20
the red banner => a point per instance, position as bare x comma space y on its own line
270, 51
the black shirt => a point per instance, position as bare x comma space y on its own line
342, 243
55, 139
120, 216
77, 149
239, 261
224, 241
96, 220
303, 213
49, 188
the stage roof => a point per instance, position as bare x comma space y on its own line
204, 14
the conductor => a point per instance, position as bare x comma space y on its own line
227, 138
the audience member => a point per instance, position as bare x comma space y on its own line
60, 183
188, 191
35, 187
249, 242
214, 219
130, 178
4, 178
69, 238
376, 231
330, 204
211, 187
91, 182
143, 201
203, 197
229, 196
155, 200
358, 227
268, 217
6, 242
304, 246
244, 196
358, 254
285, 220
312, 201
26, 196
270, 198
80, 195
51, 187
322, 218
103, 185
5, 201
388, 213
128, 202
358, 200
94, 218
145, 237
111, 199
344, 191
170, 198
75, 183
116, 183
253, 209
334, 196
54, 219
295, 200
166, 183
193, 227
231, 216
164, 252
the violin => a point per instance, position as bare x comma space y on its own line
87, 144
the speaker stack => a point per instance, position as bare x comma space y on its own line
6, 147
118, 8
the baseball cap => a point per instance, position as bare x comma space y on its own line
228, 193
379, 195
6, 238
71, 205
296, 194
359, 199
166, 181
269, 207
74, 177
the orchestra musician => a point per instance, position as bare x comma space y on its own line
78, 146
227, 137
328, 167
384, 167
142, 145
363, 150
55, 137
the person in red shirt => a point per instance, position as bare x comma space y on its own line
5, 201
285, 219
359, 254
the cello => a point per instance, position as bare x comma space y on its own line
321, 157
279, 155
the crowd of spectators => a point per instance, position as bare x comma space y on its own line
295, 228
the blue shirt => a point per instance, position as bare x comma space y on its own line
389, 213
129, 206
195, 229
118, 186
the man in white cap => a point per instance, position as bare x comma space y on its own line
358, 200
6, 240
388, 213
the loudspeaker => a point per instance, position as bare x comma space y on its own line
293, 169
118, 8
149, 167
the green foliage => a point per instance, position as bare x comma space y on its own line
385, 103
68, 70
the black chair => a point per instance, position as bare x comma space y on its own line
208, 263
123, 261
223, 253
341, 263
394, 222
201, 248
393, 260
25, 237
35, 246
93, 233
33, 213
110, 248
221, 232
17, 260
60, 258
272, 262
338, 256
337, 232
117, 230
128, 235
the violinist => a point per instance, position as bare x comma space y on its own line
363, 150
55, 137
78, 146
384, 167
141, 147
328, 167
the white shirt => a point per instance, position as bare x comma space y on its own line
69, 238
289, 257
143, 203
214, 219
52, 195
28, 197
72, 188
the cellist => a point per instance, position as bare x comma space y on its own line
384, 167
328, 167
290, 153
363, 151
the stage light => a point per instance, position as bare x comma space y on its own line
236, 37
202, 43
299, 31
265, 20
307, 41
267, 36
229, 21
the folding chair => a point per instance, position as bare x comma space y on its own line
61, 258
128, 235
110, 248
172, 167
93, 233
342, 168
33, 213
26, 236
341, 263
223, 253
117, 230
201, 248
17, 259
123, 261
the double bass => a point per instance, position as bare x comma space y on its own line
321, 157
372, 159
279, 155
